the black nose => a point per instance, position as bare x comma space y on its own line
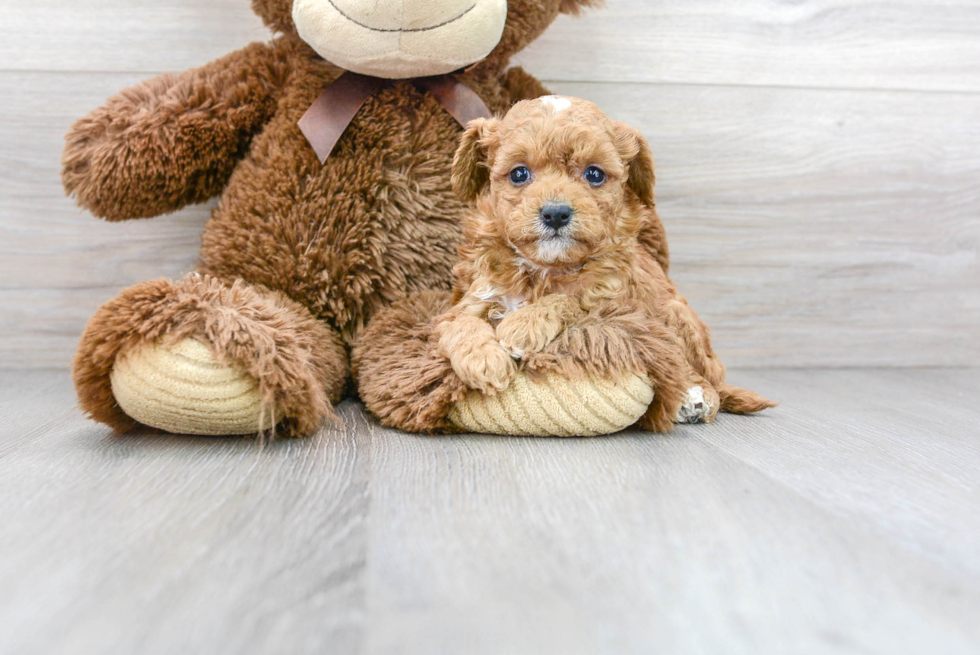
556, 216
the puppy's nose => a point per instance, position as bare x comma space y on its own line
556, 216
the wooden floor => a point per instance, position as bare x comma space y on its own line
847, 520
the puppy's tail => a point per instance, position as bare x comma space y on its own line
742, 401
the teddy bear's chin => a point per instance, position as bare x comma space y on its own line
401, 38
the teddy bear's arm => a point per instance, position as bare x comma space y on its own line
172, 140
521, 85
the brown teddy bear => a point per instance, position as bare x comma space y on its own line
303, 248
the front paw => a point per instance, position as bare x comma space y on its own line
487, 368
527, 331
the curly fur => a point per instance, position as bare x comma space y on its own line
593, 277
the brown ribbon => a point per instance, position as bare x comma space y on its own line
328, 118
459, 100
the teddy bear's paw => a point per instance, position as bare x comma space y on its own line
554, 406
487, 368
700, 406
183, 388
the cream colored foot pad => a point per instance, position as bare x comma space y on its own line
185, 390
556, 406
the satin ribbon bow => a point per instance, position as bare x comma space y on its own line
328, 118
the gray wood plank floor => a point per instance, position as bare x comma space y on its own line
847, 520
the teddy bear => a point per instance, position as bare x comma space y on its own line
318, 227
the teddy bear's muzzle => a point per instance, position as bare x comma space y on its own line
400, 39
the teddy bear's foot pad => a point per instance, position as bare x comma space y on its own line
183, 388
555, 406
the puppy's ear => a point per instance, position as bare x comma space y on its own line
575, 7
471, 166
635, 151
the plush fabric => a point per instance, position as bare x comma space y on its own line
555, 406
298, 362
401, 38
184, 388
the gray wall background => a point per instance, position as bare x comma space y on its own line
818, 163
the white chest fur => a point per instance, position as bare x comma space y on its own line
501, 304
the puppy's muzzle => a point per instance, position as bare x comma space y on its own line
555, 215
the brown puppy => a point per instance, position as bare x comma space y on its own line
565, 232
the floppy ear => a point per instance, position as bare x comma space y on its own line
635, 150
575, 7
471, 168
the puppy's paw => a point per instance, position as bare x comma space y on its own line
528, 331
487, 367
700, 405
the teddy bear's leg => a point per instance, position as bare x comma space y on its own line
207, 356
401, 375
407, 383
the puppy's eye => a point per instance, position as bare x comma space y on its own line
595, 175
520, 175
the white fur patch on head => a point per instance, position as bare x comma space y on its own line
557, 103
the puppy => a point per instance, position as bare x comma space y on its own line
564, 256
